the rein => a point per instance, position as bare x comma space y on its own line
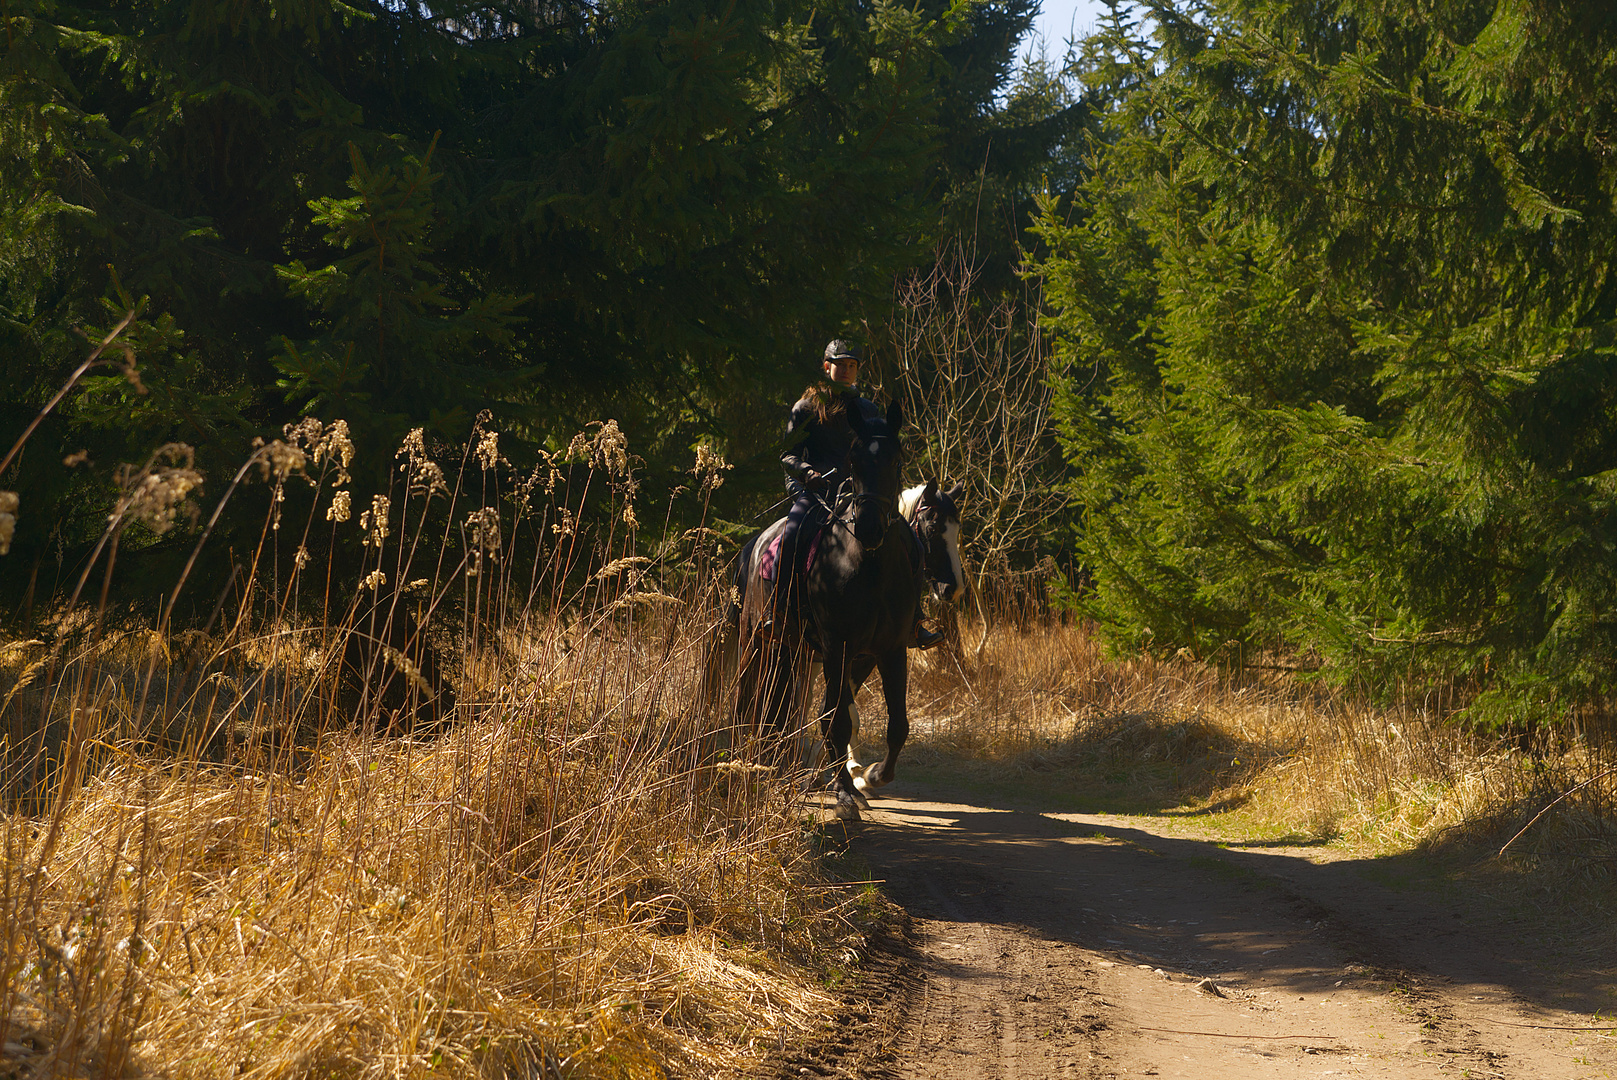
888, 504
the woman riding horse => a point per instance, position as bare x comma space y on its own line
818, 436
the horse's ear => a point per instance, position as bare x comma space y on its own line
929, 494
957, 492
895, 415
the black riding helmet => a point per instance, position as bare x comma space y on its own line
843, 350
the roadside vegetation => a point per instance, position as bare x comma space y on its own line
1037, 714
272, 846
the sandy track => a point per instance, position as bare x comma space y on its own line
1059, 945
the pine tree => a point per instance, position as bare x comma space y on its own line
1338, 327
646, 210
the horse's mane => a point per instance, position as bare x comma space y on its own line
909, 499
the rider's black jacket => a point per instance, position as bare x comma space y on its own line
816, 445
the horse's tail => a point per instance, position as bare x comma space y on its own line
721, 650
738, 579
719, 662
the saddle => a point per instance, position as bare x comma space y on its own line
769, 561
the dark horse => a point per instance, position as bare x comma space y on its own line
858, 609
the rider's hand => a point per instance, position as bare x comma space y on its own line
815, 481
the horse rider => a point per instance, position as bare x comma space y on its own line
818, 437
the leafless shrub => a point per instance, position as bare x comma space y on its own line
971, 371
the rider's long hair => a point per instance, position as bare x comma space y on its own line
826, 398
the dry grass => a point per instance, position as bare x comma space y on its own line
499, 899
216, 863
1041, 702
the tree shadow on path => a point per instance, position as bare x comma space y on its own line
1268, 912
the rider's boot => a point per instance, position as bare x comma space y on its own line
924, 637
780, 607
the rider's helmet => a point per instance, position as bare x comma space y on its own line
842, 350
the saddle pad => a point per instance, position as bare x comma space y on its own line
769, 561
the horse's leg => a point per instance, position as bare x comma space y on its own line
894, 683
859, 670
806, 735
836, 724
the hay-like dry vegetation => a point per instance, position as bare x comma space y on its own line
258, 849
1036, 702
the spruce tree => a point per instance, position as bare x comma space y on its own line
1338, 323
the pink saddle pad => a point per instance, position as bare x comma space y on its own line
769, 562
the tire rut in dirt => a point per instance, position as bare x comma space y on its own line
856, 1041
999, 1001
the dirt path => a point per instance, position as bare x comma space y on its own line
1066, 945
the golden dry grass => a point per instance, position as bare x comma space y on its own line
1042, 701
559, 886
210, 868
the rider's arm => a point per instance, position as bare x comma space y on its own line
794, 457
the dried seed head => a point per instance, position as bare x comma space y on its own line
336, 446
414, 446
155, 495
424, 475
301, 559
710, 468
306, 432
341, 508
488, 450
373, 580
374, 520
280, 460
611, 450
578, 449
427, 479
484, 527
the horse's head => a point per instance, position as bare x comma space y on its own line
875, 463
935, 515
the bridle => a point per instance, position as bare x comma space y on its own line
845, 519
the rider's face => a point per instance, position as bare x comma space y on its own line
844, 371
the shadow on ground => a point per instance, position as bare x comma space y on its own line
1120, 885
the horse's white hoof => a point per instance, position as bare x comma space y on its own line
859, 780
870, 777
847, 808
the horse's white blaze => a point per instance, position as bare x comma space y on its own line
951, 540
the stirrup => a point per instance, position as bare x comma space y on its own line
925, 638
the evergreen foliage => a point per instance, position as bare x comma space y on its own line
1337, 325
402, 214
